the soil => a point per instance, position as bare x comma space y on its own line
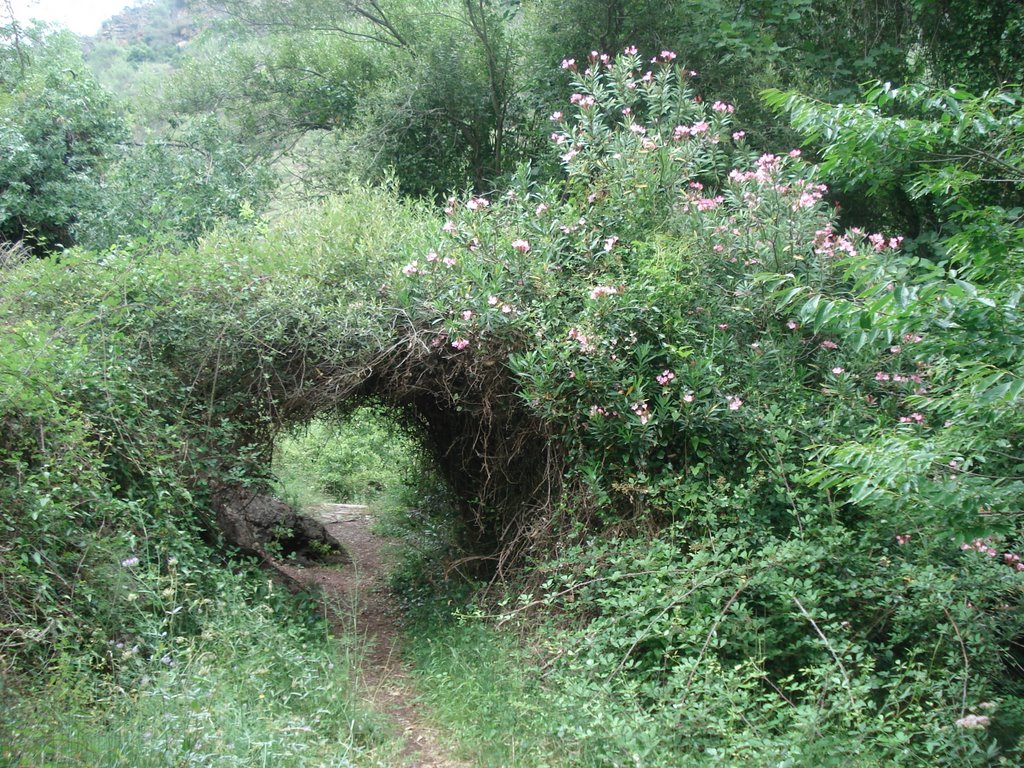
358, 592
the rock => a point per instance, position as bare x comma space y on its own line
266, 527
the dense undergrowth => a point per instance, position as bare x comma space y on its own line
754, 480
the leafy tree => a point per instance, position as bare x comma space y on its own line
58, 130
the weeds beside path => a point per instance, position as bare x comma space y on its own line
360, 602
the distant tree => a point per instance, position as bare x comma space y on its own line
58, 130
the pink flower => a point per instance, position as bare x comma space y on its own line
556, 116
738, 135
410, 269
492, 301
699, 127
431, 255
521, 245
568, 63
460, 343
721, 106
882, 376
449, 227
688, 397
902, 538
792, 325
914, 418
539, 210
665, 377
668, 55
734, 402
837, 370
506, 309
718, 248
829, 344
630, 50
794, 153
467, 314
448, 261
603, 290
610, 242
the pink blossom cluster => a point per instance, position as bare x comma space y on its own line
603, 290
475, 203
522, 246
642, 410
898, 378
828, 243
902, 538
1012, 559
733, 402
665, 377
880, 243
914, 418
721, 106
698, 128
810, 194
460, 343
580, 338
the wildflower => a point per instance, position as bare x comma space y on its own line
569, 64
539, 210
882, 376
603, 290
668, 55
448, 261
914, 418
130, 562
522, 246
460, 343
733, 402
506, 309
556, 116
794, 153
665, 377
467, 314
630, 50
973, 722
411, 268
431, 256
792, 325
911, 338
829, 344
896, 349
492, 301
688, 397
738, 135
718, 248
902, 538
837, 370
699, 127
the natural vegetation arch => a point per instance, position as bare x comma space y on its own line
502, 464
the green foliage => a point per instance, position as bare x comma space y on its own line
58, 129
357, 460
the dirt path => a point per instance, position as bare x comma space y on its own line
358, 592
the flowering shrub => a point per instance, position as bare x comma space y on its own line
697, 331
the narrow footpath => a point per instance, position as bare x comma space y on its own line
357, 593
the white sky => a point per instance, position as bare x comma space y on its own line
81, 16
